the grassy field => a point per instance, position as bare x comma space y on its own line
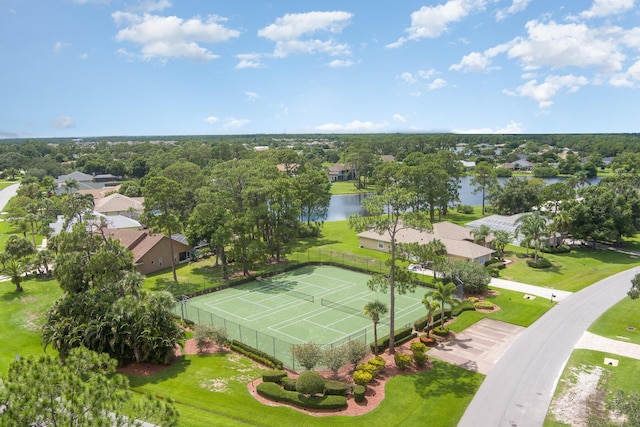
614, 323
348, 187
570, 272
212, 390
622, 377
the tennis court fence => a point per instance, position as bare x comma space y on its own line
264, 342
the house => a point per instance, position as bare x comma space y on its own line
467, 164
77, 176
112, 221
119, 204
522, 165
387, 158
458, 241
100, 193
341, 172
507, 223
83, 181
151, 252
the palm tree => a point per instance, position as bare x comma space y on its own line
375, 309
445, 295
70, 184
431, 305
533, 228
480, 235
501, 238
15, 269
563, 222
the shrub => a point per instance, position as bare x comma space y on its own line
289, 383
334, 358
428, 341
256, 355
362, 378
503, 173
399, 335
310, 383
562, 249
274, 376
355, 351
465, 306
484, 305
493, 271
441, 331
417, 347
308, 354
336, 388
464, 209
378, 362
275, 393
368, 367
420, 359
541, 263
402, 360
358, 393
473, 300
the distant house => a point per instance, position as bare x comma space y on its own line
468, 164
151, 252
522, 165
288, 168
341, 172
458, 241
507, 223
84, 181
100, 193
104, 177
112, 221
77, 176
387, 158
119, 204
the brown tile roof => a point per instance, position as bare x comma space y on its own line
137, 241
118, 203
100, 193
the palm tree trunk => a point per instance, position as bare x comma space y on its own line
375, 337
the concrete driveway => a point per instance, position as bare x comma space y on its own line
478, 347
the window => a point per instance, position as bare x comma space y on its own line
160, 260
380, 244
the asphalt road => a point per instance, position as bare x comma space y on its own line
518, 390
7, 193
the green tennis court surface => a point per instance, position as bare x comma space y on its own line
317, 303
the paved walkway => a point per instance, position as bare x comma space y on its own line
478, 347
591, 341
540, 291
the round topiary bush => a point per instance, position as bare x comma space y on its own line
362, 378
358, 393
402, 360
310, 383
541, 263
441, 331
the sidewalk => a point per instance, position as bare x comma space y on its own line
530, 289
590, 341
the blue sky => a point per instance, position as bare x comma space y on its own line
78, 68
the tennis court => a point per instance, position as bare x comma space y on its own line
322, 304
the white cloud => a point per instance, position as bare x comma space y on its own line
475, 61
437, 84
252, 96
232, 122
151, 5
63, 122
564, 45
355, 126
630, 78
58, 47
211, 119
83, 56
410, 78
293, 33
511, 128
544, 92
432, 21
516, 6
407, 78
341, 63
399, 118
601, 8
165, 37
249, 60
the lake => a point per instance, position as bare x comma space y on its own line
343, 205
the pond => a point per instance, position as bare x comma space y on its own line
343, 205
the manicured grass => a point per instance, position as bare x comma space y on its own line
514, 309
23, 314
5, 184
570, 272
441, 393
348, 187
622, 377
615, 321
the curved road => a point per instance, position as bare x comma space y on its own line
518, 390
7, 193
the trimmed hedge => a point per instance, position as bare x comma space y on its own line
275, 376
562, 249
402, 360
336, 388
405, 339
441, 332
310, 382
274, 392
256, 355
541, 263
289, 384
358, 393
384, 341
484, 305
465, 306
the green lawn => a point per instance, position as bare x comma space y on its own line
22, 316
570, 272
622, 377
211, 390
615, 321
348, 187
513, 309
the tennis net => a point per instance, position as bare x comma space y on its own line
341, 307
301, 295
